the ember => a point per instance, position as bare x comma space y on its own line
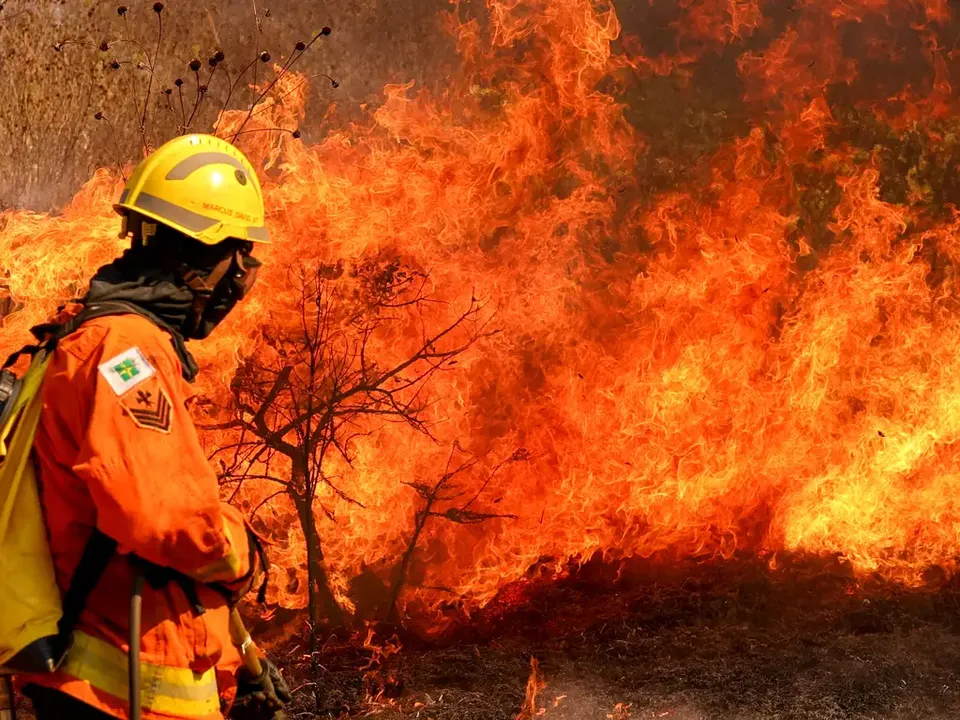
727, 324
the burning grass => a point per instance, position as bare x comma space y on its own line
688, 640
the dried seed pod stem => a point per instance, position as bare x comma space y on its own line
134, 91
230, 84
333, 83
59, 46
183, 113
213, 71
117, 64
113, 136
256, 20
156, 54
173, 113
200, 92
283, 70
295, 132
128, 41
233, 87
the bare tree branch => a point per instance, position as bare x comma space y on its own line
253, 513
432, 496
314, 387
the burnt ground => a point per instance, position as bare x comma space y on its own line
682, 641
715, 640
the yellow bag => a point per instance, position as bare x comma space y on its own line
30, 602
36, 622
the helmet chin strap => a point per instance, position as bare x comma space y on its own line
203, 289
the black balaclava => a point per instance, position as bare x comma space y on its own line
168, 278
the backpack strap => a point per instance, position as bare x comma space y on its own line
97, 554
49, 334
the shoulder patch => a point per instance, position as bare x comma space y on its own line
149, 408
126, 370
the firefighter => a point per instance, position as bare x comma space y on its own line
118, 454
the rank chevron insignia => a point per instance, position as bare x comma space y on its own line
156, 416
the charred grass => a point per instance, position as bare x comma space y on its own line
688, 641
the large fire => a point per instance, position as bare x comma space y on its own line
752, 347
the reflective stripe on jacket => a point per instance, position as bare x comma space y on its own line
163, 689
116, 449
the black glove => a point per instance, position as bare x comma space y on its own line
261, 698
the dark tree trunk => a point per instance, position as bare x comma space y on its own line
420, 520
322, 602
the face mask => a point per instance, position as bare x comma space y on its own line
244, 274
233, 279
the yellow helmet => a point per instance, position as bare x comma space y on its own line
200, 185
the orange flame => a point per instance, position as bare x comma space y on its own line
378, 673
535, 686
732, 363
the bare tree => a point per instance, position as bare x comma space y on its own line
448, 500
312, 389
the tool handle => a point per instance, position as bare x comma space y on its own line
8, 708
248, 649
133, 657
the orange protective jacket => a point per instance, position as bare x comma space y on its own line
116, 449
